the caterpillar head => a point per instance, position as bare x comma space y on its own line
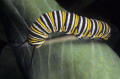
107, 33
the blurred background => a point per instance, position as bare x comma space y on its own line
107, 10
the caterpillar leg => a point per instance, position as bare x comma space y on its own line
36, 42
38, 46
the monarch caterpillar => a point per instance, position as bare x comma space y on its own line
69, 23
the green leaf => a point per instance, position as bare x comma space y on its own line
31, 9
76, 60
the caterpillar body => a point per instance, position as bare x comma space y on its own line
69, 23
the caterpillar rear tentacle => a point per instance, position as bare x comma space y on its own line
69, 23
